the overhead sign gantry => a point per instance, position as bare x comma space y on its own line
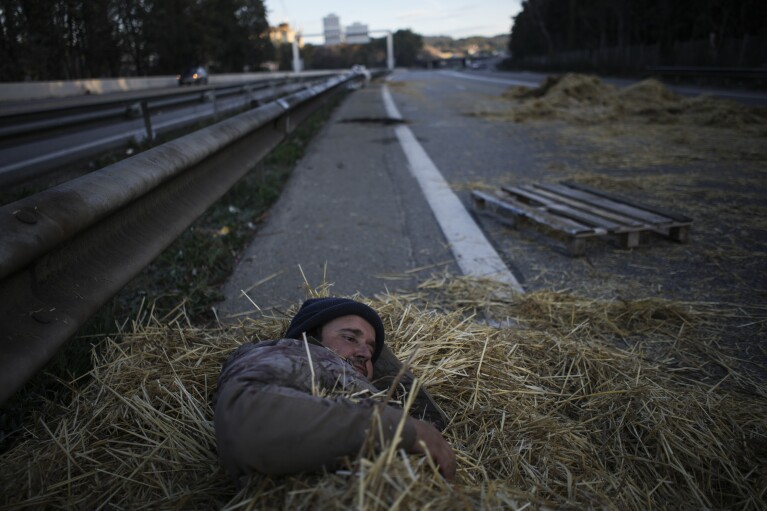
298, 64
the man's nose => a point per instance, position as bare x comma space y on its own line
363, 350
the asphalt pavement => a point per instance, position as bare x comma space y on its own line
351, 216
354, 213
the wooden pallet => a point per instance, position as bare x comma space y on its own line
578, 212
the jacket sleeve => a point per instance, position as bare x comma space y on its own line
279, 430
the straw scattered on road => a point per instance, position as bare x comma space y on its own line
547, 413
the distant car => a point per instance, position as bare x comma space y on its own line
359, 69
193, 76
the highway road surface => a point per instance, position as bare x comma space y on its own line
356, 212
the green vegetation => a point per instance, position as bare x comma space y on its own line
468, 45
546, 27
71, 39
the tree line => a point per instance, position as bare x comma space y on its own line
545, 27
76, 39
70, 39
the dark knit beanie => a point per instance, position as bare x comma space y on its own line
315, 312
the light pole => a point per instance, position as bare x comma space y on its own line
389, 48
296, 58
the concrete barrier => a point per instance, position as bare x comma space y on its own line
233, 78
19, 91
16, 91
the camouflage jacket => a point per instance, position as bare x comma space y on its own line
291, 406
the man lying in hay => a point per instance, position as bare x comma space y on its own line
284, 406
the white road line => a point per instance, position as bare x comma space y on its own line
473, 252
136, 134
70, 150
525, 83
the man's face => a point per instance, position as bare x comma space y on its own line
352, 338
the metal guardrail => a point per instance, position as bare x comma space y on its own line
66, 251
16, 173
32, 118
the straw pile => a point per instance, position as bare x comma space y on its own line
586, 99
547, 413
642, 125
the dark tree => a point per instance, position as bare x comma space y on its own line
12, 40
407, 46
68, 39
130, 18
545, 26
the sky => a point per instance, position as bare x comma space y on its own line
455, 18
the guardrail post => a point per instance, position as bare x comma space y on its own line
147, 122
212, 96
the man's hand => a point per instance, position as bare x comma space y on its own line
428, 438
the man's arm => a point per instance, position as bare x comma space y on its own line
278, 430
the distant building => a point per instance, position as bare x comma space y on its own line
332, 29
283, 34
357, 33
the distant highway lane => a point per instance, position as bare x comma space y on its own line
531, 79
